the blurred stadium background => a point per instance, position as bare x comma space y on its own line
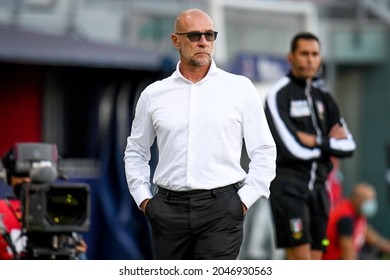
71, 72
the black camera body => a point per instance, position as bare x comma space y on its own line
55, 208
52, 210
51, 216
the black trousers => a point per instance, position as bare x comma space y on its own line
196, 224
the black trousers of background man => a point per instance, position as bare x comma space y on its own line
196, 224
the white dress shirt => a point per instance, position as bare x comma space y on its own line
200, 129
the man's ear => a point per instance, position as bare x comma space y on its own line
175, 41
290, 57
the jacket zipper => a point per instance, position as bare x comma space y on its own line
318, 131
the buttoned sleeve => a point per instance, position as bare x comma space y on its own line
137, 152
260, 147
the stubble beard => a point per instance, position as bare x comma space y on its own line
199, 62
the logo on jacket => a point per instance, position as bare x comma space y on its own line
299, 108
296, 228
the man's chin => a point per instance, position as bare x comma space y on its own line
201, 62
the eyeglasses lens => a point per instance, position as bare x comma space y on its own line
195, 36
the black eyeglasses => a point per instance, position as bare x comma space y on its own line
195, 36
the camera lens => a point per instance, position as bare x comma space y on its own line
66, 207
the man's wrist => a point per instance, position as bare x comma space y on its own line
142, 206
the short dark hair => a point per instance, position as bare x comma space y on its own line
304, 36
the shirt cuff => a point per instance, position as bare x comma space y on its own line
249, 196
140, 194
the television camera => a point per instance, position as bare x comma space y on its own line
53, 211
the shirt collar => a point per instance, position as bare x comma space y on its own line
299, 81
212, 71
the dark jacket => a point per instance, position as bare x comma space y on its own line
293, 105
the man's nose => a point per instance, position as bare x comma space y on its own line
203, 39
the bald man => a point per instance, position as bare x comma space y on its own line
348, 229
200, 116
